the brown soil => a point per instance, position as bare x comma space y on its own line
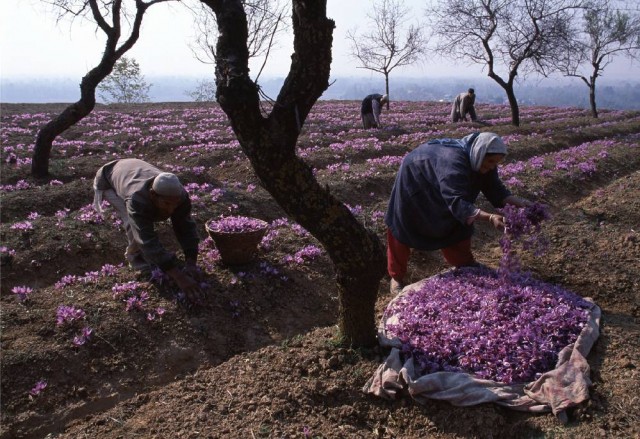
260, 358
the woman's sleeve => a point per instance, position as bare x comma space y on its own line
454, 182
494, 190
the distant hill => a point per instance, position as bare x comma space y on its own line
559, 93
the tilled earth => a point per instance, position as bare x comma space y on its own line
260, 357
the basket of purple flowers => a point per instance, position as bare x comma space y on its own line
236, 237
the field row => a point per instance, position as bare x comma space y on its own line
331, 132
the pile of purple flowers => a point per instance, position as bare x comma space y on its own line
236, 224
501, 325
507, 329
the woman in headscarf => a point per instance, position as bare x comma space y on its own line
432, 201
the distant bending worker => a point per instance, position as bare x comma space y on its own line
463, 104
371, 109
143, 195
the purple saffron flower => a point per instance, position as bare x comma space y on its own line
23, 226
108, 270
22, 292
68, 314
236, 224
65, 281
38, 388
124, 289
158, 276
7, 250
83, 337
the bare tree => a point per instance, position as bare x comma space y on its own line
205, 91
606, 32
266, 19
125, 84
270, 144
108, 15
384, 47
507, 37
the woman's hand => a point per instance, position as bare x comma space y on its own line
497, 221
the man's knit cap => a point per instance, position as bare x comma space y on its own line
167, 185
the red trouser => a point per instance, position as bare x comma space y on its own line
458, 255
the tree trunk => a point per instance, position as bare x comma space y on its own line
74, 113
386, 88
269, 143
69, 117
356, 253
511, 96
592, 97
356, 319
513, 103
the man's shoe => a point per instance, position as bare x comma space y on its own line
396, 287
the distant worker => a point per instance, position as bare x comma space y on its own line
142, 195
463, 104
370, 110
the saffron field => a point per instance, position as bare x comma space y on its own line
89, 348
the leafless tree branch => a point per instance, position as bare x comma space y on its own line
608, 29
266, 19
506, 37
384, 46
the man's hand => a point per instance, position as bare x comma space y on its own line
191, 269
187, 284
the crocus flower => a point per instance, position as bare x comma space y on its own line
68, 314
236, 224
38, 388
22, 292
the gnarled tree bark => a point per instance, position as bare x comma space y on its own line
77, 111
270, 144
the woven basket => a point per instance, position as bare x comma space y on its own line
237, 248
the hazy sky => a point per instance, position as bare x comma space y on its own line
33, 45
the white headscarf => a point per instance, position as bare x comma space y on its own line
483, 144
